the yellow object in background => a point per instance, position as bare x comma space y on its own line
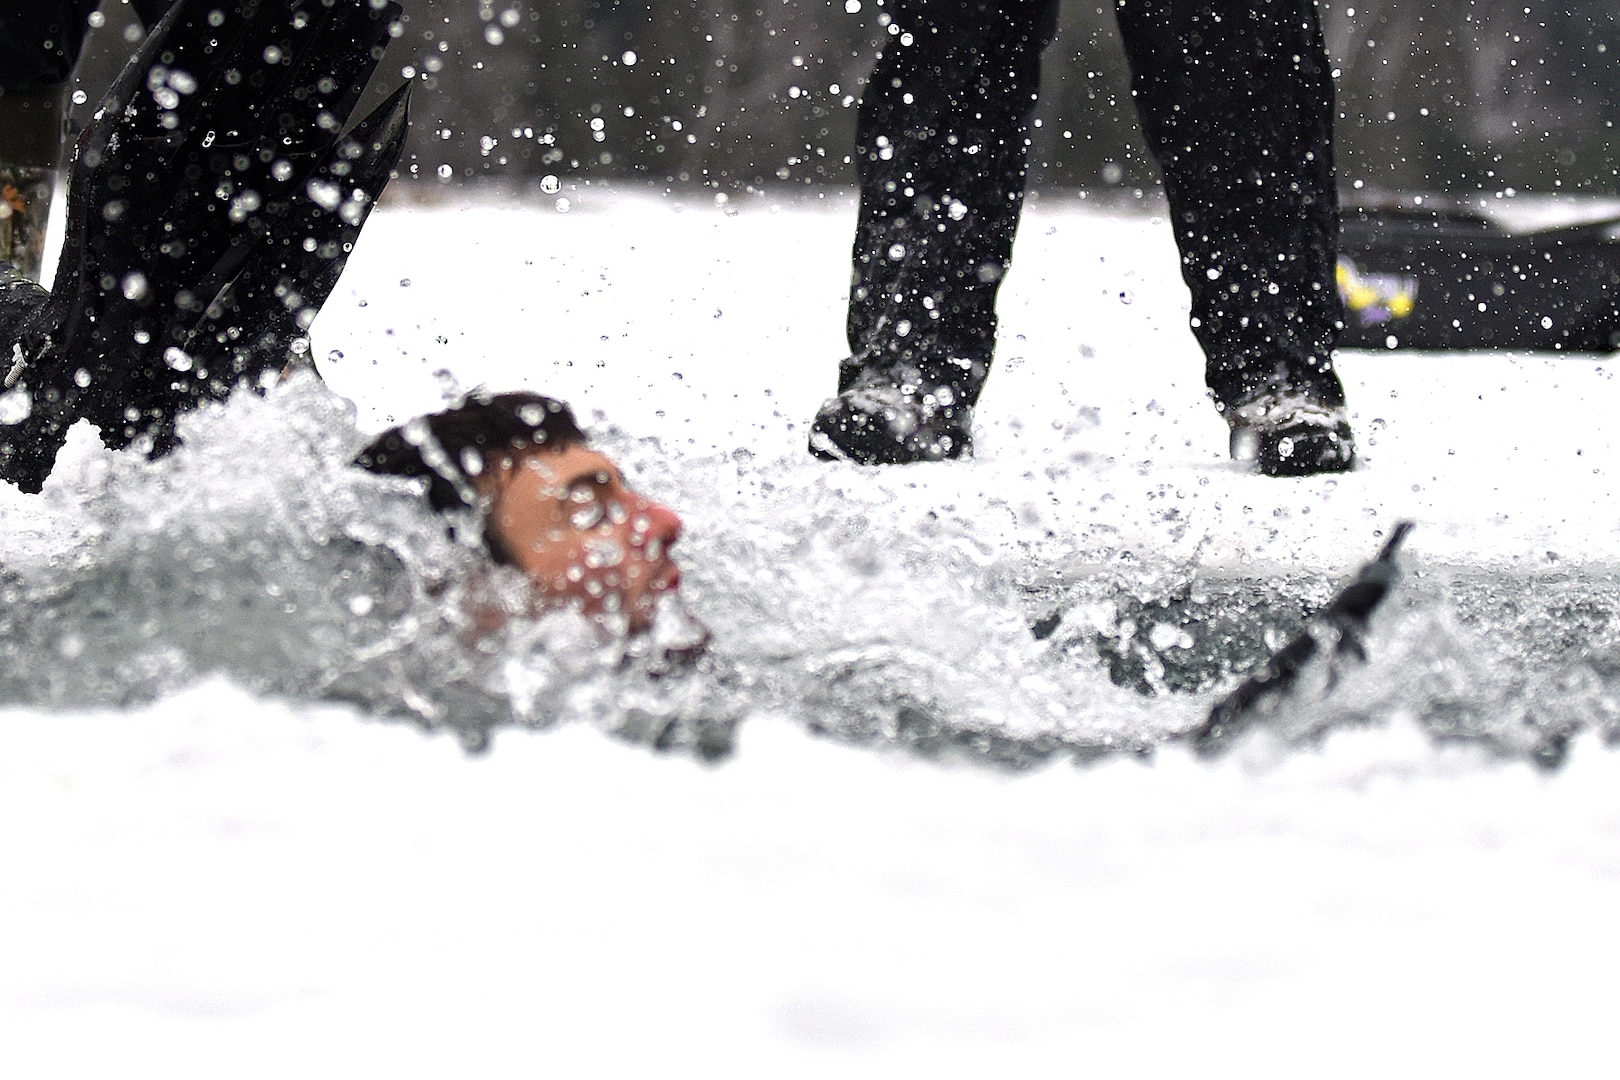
1375, 298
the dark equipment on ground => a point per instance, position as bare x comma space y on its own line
1420, 277
1336, 632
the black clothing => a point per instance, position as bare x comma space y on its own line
211, 207
1237, 105
39, 44
40, 40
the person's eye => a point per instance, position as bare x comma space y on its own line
584, 508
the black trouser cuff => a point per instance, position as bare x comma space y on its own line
31, 128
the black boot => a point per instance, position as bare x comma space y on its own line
893, 418
1290, 433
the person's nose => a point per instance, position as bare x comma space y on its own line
661, 524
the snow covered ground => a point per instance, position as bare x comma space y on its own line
215, 867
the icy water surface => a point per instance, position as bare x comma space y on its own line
907, 607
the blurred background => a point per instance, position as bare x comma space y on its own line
1442, 96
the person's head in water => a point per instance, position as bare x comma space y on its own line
552, 507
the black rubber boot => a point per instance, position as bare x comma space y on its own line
882, 423
1292, 434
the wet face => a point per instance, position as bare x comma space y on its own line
584, 539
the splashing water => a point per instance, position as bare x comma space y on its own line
865, 613
259, 552
871, 614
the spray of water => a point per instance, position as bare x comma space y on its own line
861, 608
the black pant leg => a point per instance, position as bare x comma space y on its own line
942, 152
40, 42
1236, 101
150, 11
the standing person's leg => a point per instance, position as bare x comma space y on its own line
281, 81
942, 151
150, 11
39, 43
1237, 105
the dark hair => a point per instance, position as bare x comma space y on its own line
450, 448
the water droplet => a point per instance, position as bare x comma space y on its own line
243, 204
604, 553
15, 407
326, 194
